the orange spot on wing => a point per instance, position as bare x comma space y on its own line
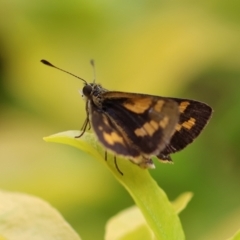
183, 105
138, 105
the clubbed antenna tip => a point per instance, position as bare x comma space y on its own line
51, 65
46, 63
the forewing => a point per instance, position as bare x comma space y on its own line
110, 135
193, 118
134, 124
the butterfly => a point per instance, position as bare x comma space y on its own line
140, 126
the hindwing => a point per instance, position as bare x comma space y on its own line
193, 118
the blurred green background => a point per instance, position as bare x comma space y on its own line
174, 48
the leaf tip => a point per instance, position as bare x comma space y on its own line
46, 139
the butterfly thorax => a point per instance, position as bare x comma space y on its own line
93, 92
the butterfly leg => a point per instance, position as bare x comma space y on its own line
105, 155
115, 162
89, 124
86, 123
84, 127
86, 108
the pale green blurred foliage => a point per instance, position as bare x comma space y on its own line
180, 49
25, 217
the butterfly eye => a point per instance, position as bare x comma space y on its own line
87, 90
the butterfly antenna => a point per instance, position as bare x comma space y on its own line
51, 65
94, 70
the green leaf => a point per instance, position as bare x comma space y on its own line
131, 224
128, 224
236, 236
149, 197
25, 217
182, 201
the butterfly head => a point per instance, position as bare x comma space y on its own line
87, 91
92, 91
